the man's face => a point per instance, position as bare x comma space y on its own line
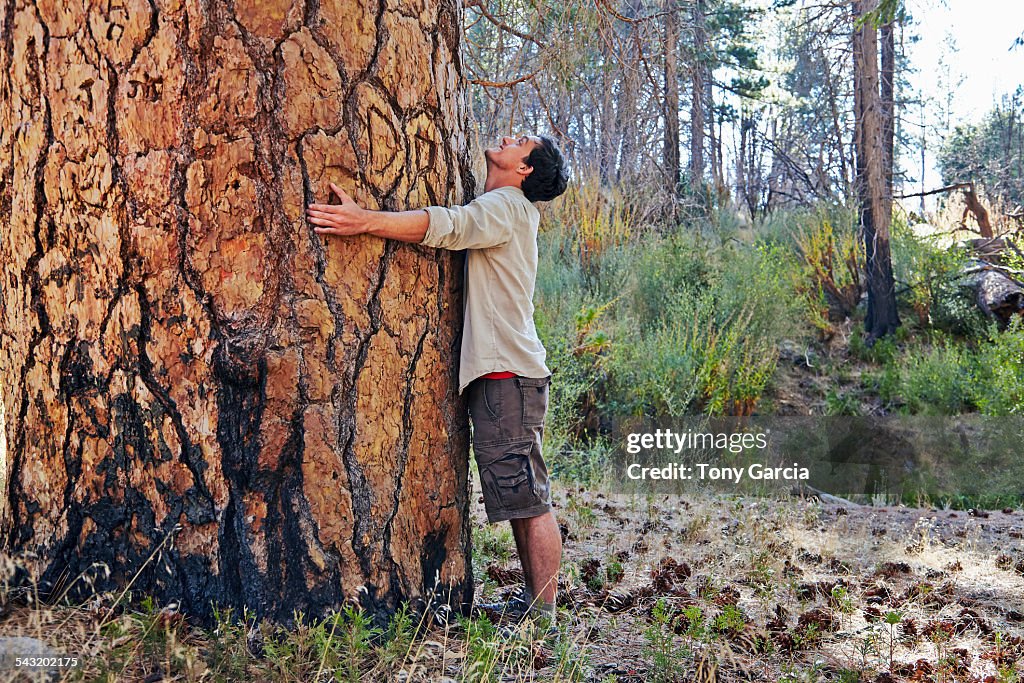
510, 153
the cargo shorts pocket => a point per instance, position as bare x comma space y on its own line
484, 403
534, 394
508, 480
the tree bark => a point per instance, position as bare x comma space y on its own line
671, 112
700, 40
609, 129
875, 212
999, 296
888, 102
197, 390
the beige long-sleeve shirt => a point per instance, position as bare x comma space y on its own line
499, 228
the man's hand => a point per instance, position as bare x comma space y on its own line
347, 218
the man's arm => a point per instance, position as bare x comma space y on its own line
485, 222
348, 218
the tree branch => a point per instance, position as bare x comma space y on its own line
479, 5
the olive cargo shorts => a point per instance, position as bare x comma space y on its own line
508, 423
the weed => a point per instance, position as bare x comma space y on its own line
892, 620
729, 620
614, 571
841, 601
659, 645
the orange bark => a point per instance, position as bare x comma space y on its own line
183, 359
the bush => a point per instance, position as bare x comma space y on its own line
655, 325
663, 269
941, 381
1000, 383
928, 278
955, 311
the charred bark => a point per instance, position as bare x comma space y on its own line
197, 390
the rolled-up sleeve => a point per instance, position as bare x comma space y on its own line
484, 222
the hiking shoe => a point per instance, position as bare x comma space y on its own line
516, 607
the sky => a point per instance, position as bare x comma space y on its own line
978, 73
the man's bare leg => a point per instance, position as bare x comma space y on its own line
523, 551
542, 542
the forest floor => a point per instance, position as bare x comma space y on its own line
807, 371
697, 587
732, 589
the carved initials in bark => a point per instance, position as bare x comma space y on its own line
196, 387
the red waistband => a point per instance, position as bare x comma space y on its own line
504, 374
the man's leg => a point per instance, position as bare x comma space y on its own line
508, 427
523, 551
542, 542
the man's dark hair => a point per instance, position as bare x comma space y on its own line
549, 176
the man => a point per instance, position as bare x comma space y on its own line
502, 359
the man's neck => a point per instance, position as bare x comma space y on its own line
493, 182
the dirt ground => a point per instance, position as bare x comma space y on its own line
781, 590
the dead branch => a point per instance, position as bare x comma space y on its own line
505, 84
974, 205
948, 188
621, 17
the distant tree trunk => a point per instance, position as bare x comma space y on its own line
700, 40
748, 172
888, 108
196, 388
746, 124
628, 112
671, 112
714, 140
924, 142
875, 201
837, 147
609, 129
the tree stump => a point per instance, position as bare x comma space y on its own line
197, 390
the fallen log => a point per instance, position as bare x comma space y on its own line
998, 295
807, 491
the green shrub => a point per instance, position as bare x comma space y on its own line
883, 352
655, 372
710, 343
662, 270
954, 310
1000, 385
927, 277
667, 658
940, 381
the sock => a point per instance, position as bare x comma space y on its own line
545, 610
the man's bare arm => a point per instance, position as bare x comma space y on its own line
348, 218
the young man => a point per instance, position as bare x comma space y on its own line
502, 359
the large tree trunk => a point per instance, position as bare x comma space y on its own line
875, 201
196, 388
